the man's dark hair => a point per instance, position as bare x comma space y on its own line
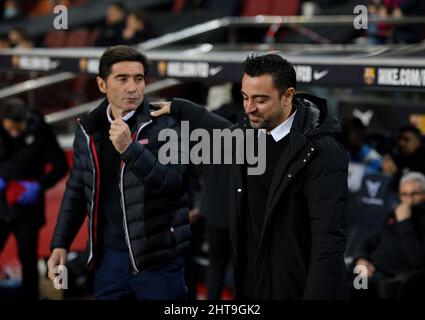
411, 129
281, 70
117, 54
14, 109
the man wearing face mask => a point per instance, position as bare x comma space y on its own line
12, 9
27, 145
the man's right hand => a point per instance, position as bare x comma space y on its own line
162, 108
58, 257
369, 266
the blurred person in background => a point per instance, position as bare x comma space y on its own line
382, 33
18, 39
12, 10
215, 206
354, 140
137, 29
112, 29
27, 145
195, 91
399, 245
410, 154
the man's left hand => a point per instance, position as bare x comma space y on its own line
120, 135
403, 212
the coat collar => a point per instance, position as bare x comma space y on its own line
306, 124
282, 130
92, 121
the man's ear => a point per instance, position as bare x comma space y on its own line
287, 96
101, 84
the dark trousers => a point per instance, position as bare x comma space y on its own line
26, 235
219, 254
113, 279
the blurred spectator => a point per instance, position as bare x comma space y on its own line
377, 33
354, 137
410, 155
27, 145
195, 91
408, 33
137, 29
381, 33
399, 246
215, 206
18, 39
115, 22
12, 10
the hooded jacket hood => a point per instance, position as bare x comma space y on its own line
313, 117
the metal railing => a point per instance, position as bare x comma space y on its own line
264, 21
34, 84
204, 53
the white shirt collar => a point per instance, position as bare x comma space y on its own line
125, 118
281, 130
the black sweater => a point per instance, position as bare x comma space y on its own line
111, 215
258, 191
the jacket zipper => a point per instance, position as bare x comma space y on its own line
93, 196
127, 237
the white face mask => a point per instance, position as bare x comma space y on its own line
10, 12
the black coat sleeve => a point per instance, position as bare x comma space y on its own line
367, 246
411, 238
161, 178
326, 195
73, 208
198, 117
54, 156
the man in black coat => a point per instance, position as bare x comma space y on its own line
137, 207
399, 245
27, 145
287, 224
